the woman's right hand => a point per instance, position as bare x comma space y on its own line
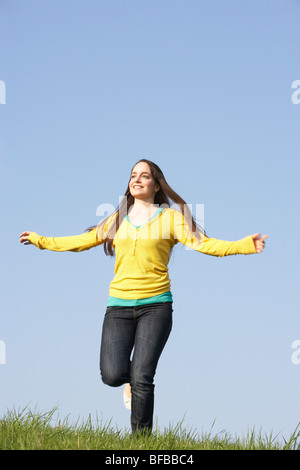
24, 238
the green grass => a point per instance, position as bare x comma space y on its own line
27, 430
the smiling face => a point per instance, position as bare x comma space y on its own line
142, 184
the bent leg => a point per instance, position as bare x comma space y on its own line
118, 334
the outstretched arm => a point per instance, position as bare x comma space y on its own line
212, 246
77, 243
245, 246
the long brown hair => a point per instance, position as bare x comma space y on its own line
163, 197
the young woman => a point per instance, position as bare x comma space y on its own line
141, 233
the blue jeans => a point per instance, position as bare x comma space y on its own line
143, 329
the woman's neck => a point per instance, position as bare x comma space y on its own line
142, 207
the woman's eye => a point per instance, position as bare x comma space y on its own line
143, 176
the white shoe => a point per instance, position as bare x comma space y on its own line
127, 396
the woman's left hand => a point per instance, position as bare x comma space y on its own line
259, 241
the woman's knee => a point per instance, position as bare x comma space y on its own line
112, 378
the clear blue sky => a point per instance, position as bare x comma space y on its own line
204, 90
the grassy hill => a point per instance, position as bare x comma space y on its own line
27, 430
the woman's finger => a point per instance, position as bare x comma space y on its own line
25, 234
24, 238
